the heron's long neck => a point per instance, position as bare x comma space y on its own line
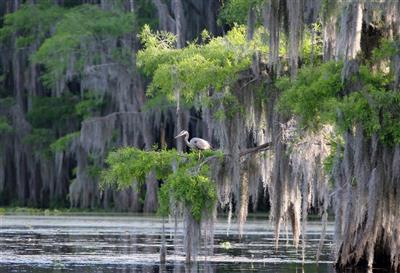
187, 139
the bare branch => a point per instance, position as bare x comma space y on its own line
259, 148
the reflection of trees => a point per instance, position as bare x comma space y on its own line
187, 268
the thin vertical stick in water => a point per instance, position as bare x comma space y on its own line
163, 250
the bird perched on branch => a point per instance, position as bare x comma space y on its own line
195, 143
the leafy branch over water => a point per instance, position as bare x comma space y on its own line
186, 176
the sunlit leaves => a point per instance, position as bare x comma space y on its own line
195, 69
377, 110
158, 40
197, 192
186, 176
313, 95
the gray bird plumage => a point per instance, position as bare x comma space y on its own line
195, 143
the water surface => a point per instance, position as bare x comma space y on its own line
131, 244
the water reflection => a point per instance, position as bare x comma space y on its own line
178, 268
131, 245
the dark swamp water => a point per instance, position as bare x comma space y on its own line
131, 244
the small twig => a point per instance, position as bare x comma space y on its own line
247, 83
204, 162
92, 68
208, 159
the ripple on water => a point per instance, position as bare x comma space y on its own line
131, 244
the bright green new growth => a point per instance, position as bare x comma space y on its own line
186, 177
189, 70
314, 95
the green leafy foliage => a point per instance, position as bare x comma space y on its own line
32, 22
312, 46
190, 69
81, 30
5, 127
90, 104
337, 149
7, 102
94, 165
186, 177
66, 37
317, 97
52, 112
63, 143
235, 11
58, 114
382, 56
314, 95
375, 107
387, 49
146, 13
231, 106
195, 191
55, 116
5, 122
40, 139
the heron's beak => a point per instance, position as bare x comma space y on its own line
180, 134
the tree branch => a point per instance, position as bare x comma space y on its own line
259, 148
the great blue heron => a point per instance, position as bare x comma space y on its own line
195, 143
